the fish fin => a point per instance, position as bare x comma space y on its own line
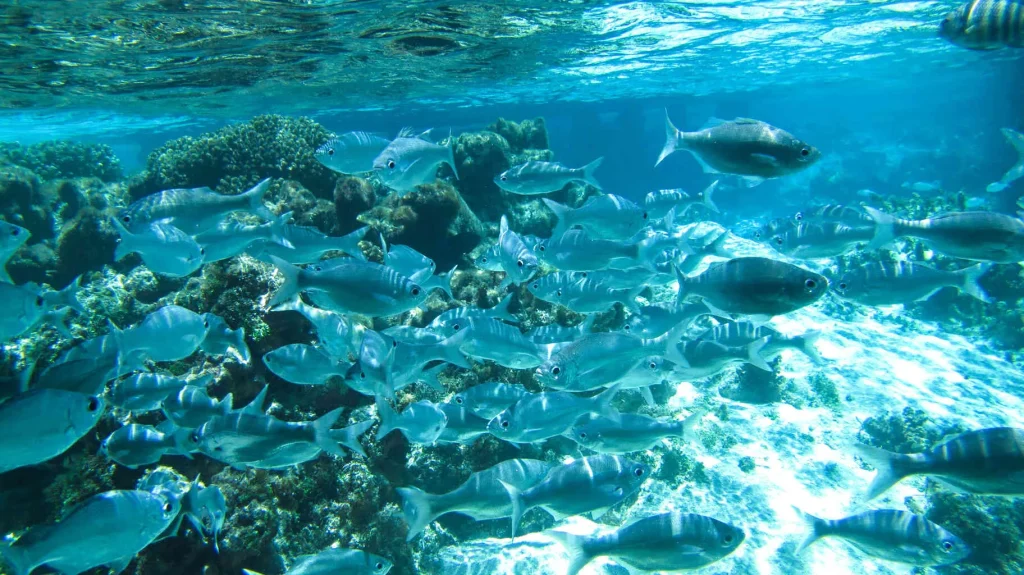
681, 279
716, 311
322, 432
255, 406
290, 288
970, 285
57, 320
255, 197
429, 378
588, 172
349, 243
1016, 140
349, 436
996, 187
387, 416
885, 228
277, 230
4, 276
516, 498
691, 422
807, 347
505, 283
671, 140
713, 122
765, 159
754, 356
69, 296
17, 558
704, 166
814, 528
451, 154
604, 402
384, 249
25, 377
574, 547
181, 441
444, 281
598, 513
588, 323
561, 212
125, 245
453, 349
883, 461
718, 246
645, 392
672, 338
708, 202
416, 510
120, 564
751, 181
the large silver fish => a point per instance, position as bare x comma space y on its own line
135, 445
339, 335
890, 283
230, 238
489, 399
821, 240
503, 344
303, 364
608, 217
576, 250
351, 152
165, 249
421, 422
659, 203
306, 245
409, 162
43, 423
167, 334
629, 433
351, 286
192, 210
538, 416
144, 392
533, 178
979, 236
754, 286
517, 260
243, 439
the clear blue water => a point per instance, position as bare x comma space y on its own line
892, 107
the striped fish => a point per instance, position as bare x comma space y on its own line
985, 25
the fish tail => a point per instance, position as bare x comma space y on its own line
561, 212
452, 349
290, 288
349, 243
709, 203
970, 277
603, 402
501, 311
885, 462
672, 338
387, 416
17, 559
322, 432
69, 296
806, 346
182, 441
575, 548
125, 245
444, 281
681, 292
349, 436
451, 154
885, 228
1016, 140
277, 230
754, 354
255, 198
588, 172
718, 246
255, 406
690, 423
416, 510
816, 528
516, 498
429, 378
671, 140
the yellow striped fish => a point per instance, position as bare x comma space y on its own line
985, 24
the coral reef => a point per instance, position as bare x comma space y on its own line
992, 526
63, 159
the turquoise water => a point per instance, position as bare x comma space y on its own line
105, 104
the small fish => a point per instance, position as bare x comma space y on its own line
40, 424
135, 445
671, 542
23, 308
339, 335
505, 345
351, 153
421, 422
1016, 140
192, 210
206, 509
221, 339
607, 217
704, 358
652, 370
538, 416
192, 407
984, 462
575, 250
167, 334
742, 147
583, 295
243, 439
735, 334
457, 318
489, 399
350, 286
165, 249
593, 483
629, 433
463, 426
304, 364
596, 359
773, 228
337, 560
652, 321
409, 162
834, 213
417, 267
890, 283
985, 25
12, 237
144, 392
534, 178
630, 277
923, 187
659, 203
517, 260
705, 249
481, 497
891, 535
373, 371
821, 240
555, 333
490, 259
230, 238
978, 236
306, 245
107, 529
754, 286
85, 368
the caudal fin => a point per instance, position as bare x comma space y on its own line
686, 430
754, 354
349, 243
416, 509
322, 432
516, 498
126, 244
815, 528
442, 282
255, 198
279, 230
388, 417
290, 288
561, 215
255, 407
885, 228
671, 140
603, 402
884, 461
575, 548
970, 284
1016, 140
451, 349
349, 436
807, 347
451, 154
588, 172
707, 193
17, 559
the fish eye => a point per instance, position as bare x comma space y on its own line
558, 293
15, 232
810, 284
459, 400
842, 285
504, 424
536, 285
456, 327
645, 215
206, 324
626, 327
556, 370
520, 263
639, 472
799, 216
778, 240
757, 235
504, 178
583, 435
391, 164
94, 403
126, 219
805, 152
202, 251
40, 301
652, 365
415, 290
483, 259
330, 151
379, 566
947, 546
167, 507
362, 375
728, 539
394, 343
540, 247
194, 437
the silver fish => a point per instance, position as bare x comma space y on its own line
409, 162
490, 259
575, 250
581, 294
351, 152
517, 260
736, 334
457, 318
596, 359
539, 416
417, 267
1016, 139
337, 560
705, 249
243, 439
891, 535
167, 334
593, 483
304, 364
306, 245
651, 321
659, 203
555, 333
206, 509
834, 213
12, 237
481, 497
463, 426
165, 249
85, 368
192, 407
107, 529
671, 542
821, 240
704, 358
533, 178
979, 236
421, 422
41, 424
221, 339
135, 445
754, 286
629, 433
889, 283
489, 399
230, 238
350, 286
23, 308
501, 343
192, 210
607, 217
338, 334
144, 392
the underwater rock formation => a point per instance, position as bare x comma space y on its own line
53, 160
